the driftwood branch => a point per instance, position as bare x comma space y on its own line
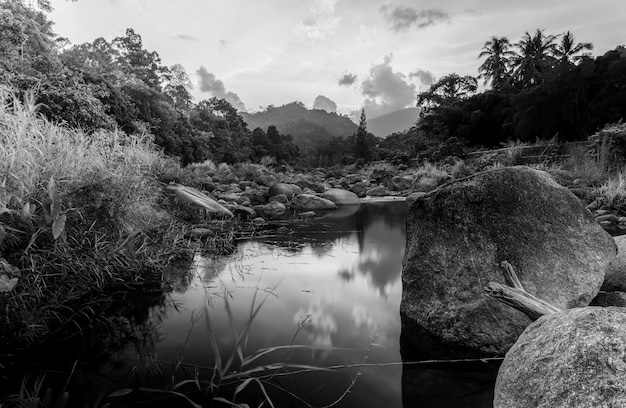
516, 296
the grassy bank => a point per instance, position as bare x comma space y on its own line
79, 214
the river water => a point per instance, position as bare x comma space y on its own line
328, 288
332, 285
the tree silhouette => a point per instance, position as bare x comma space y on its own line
534, 58
497, 65
361, 148
567, 50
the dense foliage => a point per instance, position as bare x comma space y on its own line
541, 87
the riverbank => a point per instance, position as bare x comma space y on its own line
84, 220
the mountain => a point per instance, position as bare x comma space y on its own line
397, 121
307, 126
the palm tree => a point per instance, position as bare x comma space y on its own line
534, 58
566, 50
496, 66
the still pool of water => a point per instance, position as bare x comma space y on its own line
332, 284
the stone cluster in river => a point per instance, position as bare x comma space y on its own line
265, 197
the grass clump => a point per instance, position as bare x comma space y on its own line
79, 214
612, 193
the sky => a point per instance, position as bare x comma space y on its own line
354, 53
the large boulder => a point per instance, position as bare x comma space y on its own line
574, 358
615, 278
308, 202
458, 236
341, 197
287, 189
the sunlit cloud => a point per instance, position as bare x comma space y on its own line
347, 79
186, 37
401, 18
209, 83
385, 90
425, 78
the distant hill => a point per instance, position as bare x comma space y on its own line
307, 126
397, 121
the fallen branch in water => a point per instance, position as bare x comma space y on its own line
516, 296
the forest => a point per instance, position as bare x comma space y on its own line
540, 87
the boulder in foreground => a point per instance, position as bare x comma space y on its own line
457, 237
573, 358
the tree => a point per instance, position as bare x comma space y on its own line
567, 51
446, 92
497, 64
535, 57
142, 64
361, 147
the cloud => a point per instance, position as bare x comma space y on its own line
426, 78
186, 37
210, 84
324, 103
347, 79
402, 18
321, 21
386, 91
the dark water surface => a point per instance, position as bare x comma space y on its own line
334, 284
331, 284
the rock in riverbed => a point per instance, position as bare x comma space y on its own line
574, 358
458, 236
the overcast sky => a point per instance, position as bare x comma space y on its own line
355, 52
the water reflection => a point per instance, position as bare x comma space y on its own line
332, 283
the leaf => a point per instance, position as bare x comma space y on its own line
9, 269
27, 211
58, 226
120, 393
51, 188
3, 234
6, 284
242, 386
55, 207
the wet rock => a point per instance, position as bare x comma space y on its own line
615, 276
265, 180
458, 237
244, 212
341, 197
272, 209
307, 214
359, 189
311, 202
258, 221
281, 198
289, 190
353, 178
377, 191
402, 182
256, 197
312, 185
574, 358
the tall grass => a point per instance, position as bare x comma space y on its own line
78, 213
